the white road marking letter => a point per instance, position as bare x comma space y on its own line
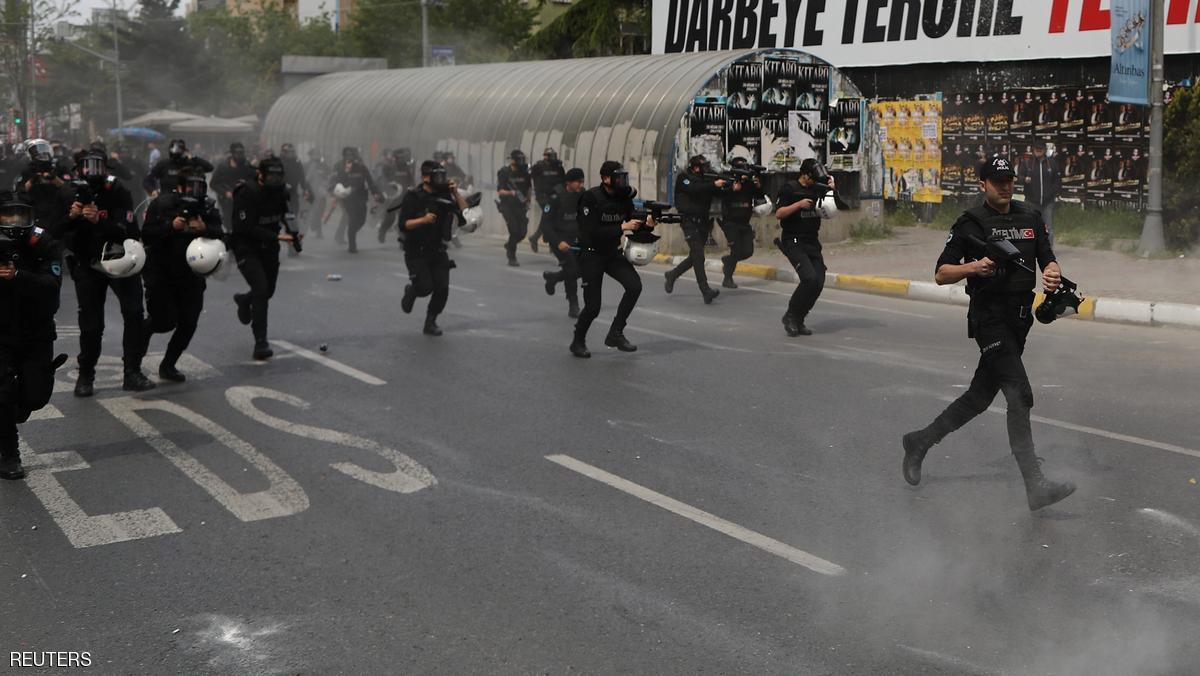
331, 363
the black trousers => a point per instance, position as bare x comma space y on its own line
567, 273
429, 274
1000, 330
592, 268
173, 304
91, 290
516, 218
695, 232
806, 258
741, 245
539, 233
260, 268
356, 217
26, 382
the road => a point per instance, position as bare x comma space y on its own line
726, 500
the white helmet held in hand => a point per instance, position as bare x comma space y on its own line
472, 217
342, 191
206, 256
827, 206
640, 253
765, 208
121, 260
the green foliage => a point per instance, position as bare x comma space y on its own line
479, 30
588, 28
865, 230
1181, 168
901, 215
1097, 228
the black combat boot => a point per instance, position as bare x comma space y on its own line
136, 381
245, 313
617, 339
670, 281
85, 384
709, 295
10, 468
916, 445
262, 350
410, 297
550, 283
167, 371
431, 327
579, 349
1040, 491
791, 325
728, 265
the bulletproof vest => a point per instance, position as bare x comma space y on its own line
738, 207
514, 180
1019, 226
611, 212
805, 223
692, 195
550, 174
569, 206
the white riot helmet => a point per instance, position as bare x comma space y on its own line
640, 246
764, 208
827, 206
472, 217
206, 256
342, 191
121, 260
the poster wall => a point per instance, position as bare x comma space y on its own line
910, 132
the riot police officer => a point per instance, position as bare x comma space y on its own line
999, 318
428, 215
259, 213
796, 209
512, 187
175, 294
166, 174
396, 177
548, 177
693, 199
41, 185
737, 208
605, 215
96, 225
317, 173
236, 169
354, 177
560, 225
30, 281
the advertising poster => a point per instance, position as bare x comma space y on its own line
911, 132
1074, 107
743, 83
1020, 116
1099, 126
1045, 120
1074, 165
998, 109
776, 153
806, 134
845, 134
1129, 76
1099, 181
744, 139
1130, 175
779, 87
974, 118
1128, 121
953, 158
707, 125
812, 87
952, 123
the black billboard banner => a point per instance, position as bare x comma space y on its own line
743, 83
743, 138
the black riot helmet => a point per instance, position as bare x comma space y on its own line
93, 168
698, 162
349, 154
16, 217
815, 170
618, 179
271, 174
194, 186
738, 162
438, 181
518, 158
177, 149
237, 151
550, 155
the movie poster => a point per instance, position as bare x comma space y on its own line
1099, 182
779, 87
744, 139
952, 169
707, 126
845, 135
1128, 121
952, 122
1129, 176
1099, 124
1045, 119
806, 134
776, 153
1074, 109
1074, 166
743, 82
812, 87
1020, 116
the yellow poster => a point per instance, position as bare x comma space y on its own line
911, 135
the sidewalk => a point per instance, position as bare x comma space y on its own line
1118, 287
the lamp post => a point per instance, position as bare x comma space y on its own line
1152, 240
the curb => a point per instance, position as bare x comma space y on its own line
1110, 310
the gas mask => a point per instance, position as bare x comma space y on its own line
619, 184
177, 149
94, 170
438, 181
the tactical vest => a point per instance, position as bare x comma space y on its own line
1019, 226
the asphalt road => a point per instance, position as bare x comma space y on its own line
724, 501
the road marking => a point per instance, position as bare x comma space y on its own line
82, 529
408, 477
701, 343
461, 289
813, 563
283, 496
670, 315
47, 412
331, 363
1115, 436
841, 302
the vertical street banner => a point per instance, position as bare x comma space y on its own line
707, 125
1129, 76
779, 87
743, 83
743, 138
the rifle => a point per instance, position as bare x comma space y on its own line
289, 220
744, 173
657, 210
1061, 302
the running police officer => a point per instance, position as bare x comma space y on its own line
259, 213
236, 169
560, 225
796, 209
428, 215
30, 281
737, 208
548, 177
98, 224
164, 176
999, 318
175, 294
396, 178
512, 186
42, 187
353, 176
605, 215
693, 199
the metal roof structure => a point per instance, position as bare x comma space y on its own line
627, 108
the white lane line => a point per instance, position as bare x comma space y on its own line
331, 363
1115, 436
48, 412
803, 558
669, 315
672, 336
842, 302
461, 289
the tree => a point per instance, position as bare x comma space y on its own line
590, 28
479, 30
18, 42
1181, 166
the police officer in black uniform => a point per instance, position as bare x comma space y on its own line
560, 225
298, 186
512, 186
30, 281
234, 170
108, 219
164, 176
737, 208
353, 174
548, 176
999, 318
796, 209
428, 215
259, 210
605, 215
40, 184
175, 294
693, 199
396, 175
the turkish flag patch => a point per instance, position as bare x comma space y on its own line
1028, 233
